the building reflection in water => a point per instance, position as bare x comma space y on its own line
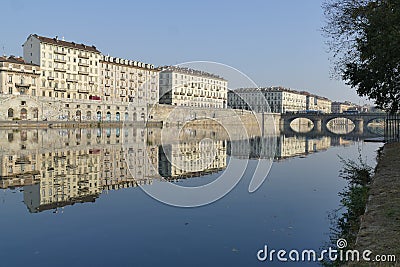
59, 167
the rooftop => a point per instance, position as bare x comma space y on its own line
190, 72
14, 59
57, 41
276, 89
127, 62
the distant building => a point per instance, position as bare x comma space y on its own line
339, 107
188, 87
318, 103
279, 99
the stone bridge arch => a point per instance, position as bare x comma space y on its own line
320, 121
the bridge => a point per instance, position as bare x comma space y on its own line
320, 121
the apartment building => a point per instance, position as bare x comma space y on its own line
69, 70
130, 83
187, 87
339, 107
318, 103
68, 81
18, 77
270, 99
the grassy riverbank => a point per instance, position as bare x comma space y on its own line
380, 225
369, 217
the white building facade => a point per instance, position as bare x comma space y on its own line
75, 83
270, 99
187, 87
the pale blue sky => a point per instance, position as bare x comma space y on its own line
275, 42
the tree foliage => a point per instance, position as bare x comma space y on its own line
364, 36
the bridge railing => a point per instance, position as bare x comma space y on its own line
392, 128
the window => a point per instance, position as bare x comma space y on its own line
10, 113
10, 78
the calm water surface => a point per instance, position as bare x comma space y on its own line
68, 199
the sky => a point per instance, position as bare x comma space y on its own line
274, 42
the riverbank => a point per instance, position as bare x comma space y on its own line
380, 225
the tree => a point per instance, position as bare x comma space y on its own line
364, 36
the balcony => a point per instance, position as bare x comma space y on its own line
59, 89
81, 72
50, 78
60, 60
81, 55
60, 52
60, 69
83, 64
22, 160
82, 90
71, 80
22, 85
91, 82
107, 85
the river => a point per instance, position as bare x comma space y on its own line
70, 197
